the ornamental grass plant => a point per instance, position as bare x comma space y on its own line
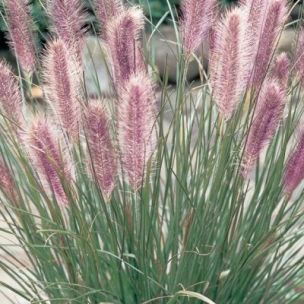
148, 196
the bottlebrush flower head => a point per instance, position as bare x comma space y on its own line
274, 22
68, 19
105, 11
195, 22
102, 154
136, 119
48, 159
280, 70
267, 116
299, 57
62, 77
20, 33
294, 169
229, 59
7, 185
123, 44
10, 98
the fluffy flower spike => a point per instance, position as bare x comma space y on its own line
63, 84
102, 154
268, 114
10, 98
299, 57
7, 185
20, 35
68, 20
136, 127
123, 44
294, 169
105, 11
48, 159
195, 23
274, 21
280, 70
229, 59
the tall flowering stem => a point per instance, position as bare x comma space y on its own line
274, 21
268, 114
123, 45
62, 78
229, 59
10, 98
136, 121
68, 20
280, 69
20, 33
48, 159
195, 22
102, 154
105, 11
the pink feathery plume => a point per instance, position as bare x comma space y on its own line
20, 33
10, 98
102, 154
280, 69
299, 57
136, 119
274, 21
62, 78
48, 159
195, 22
7, 185
68, 18
105, 11
268, 114
228, 62
123, 44
294, 169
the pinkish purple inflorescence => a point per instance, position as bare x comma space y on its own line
136, 119
7, 185
20, 33
124, 46
280, 70
299, 57
105, 11
63, 86
274, 21
48, 159
68, 19
294, 169
195, 23
267, 116
229, 75
10, 98
102, 154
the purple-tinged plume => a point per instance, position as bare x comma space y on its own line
299, 57
123, 45
274, 22
267, 116
294, 169
7, 185
136, 119
10, 98
62, 78
105, 11
280, 69
68, 19
228, 62
48, 159
195, 23
102, 154
20, 33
